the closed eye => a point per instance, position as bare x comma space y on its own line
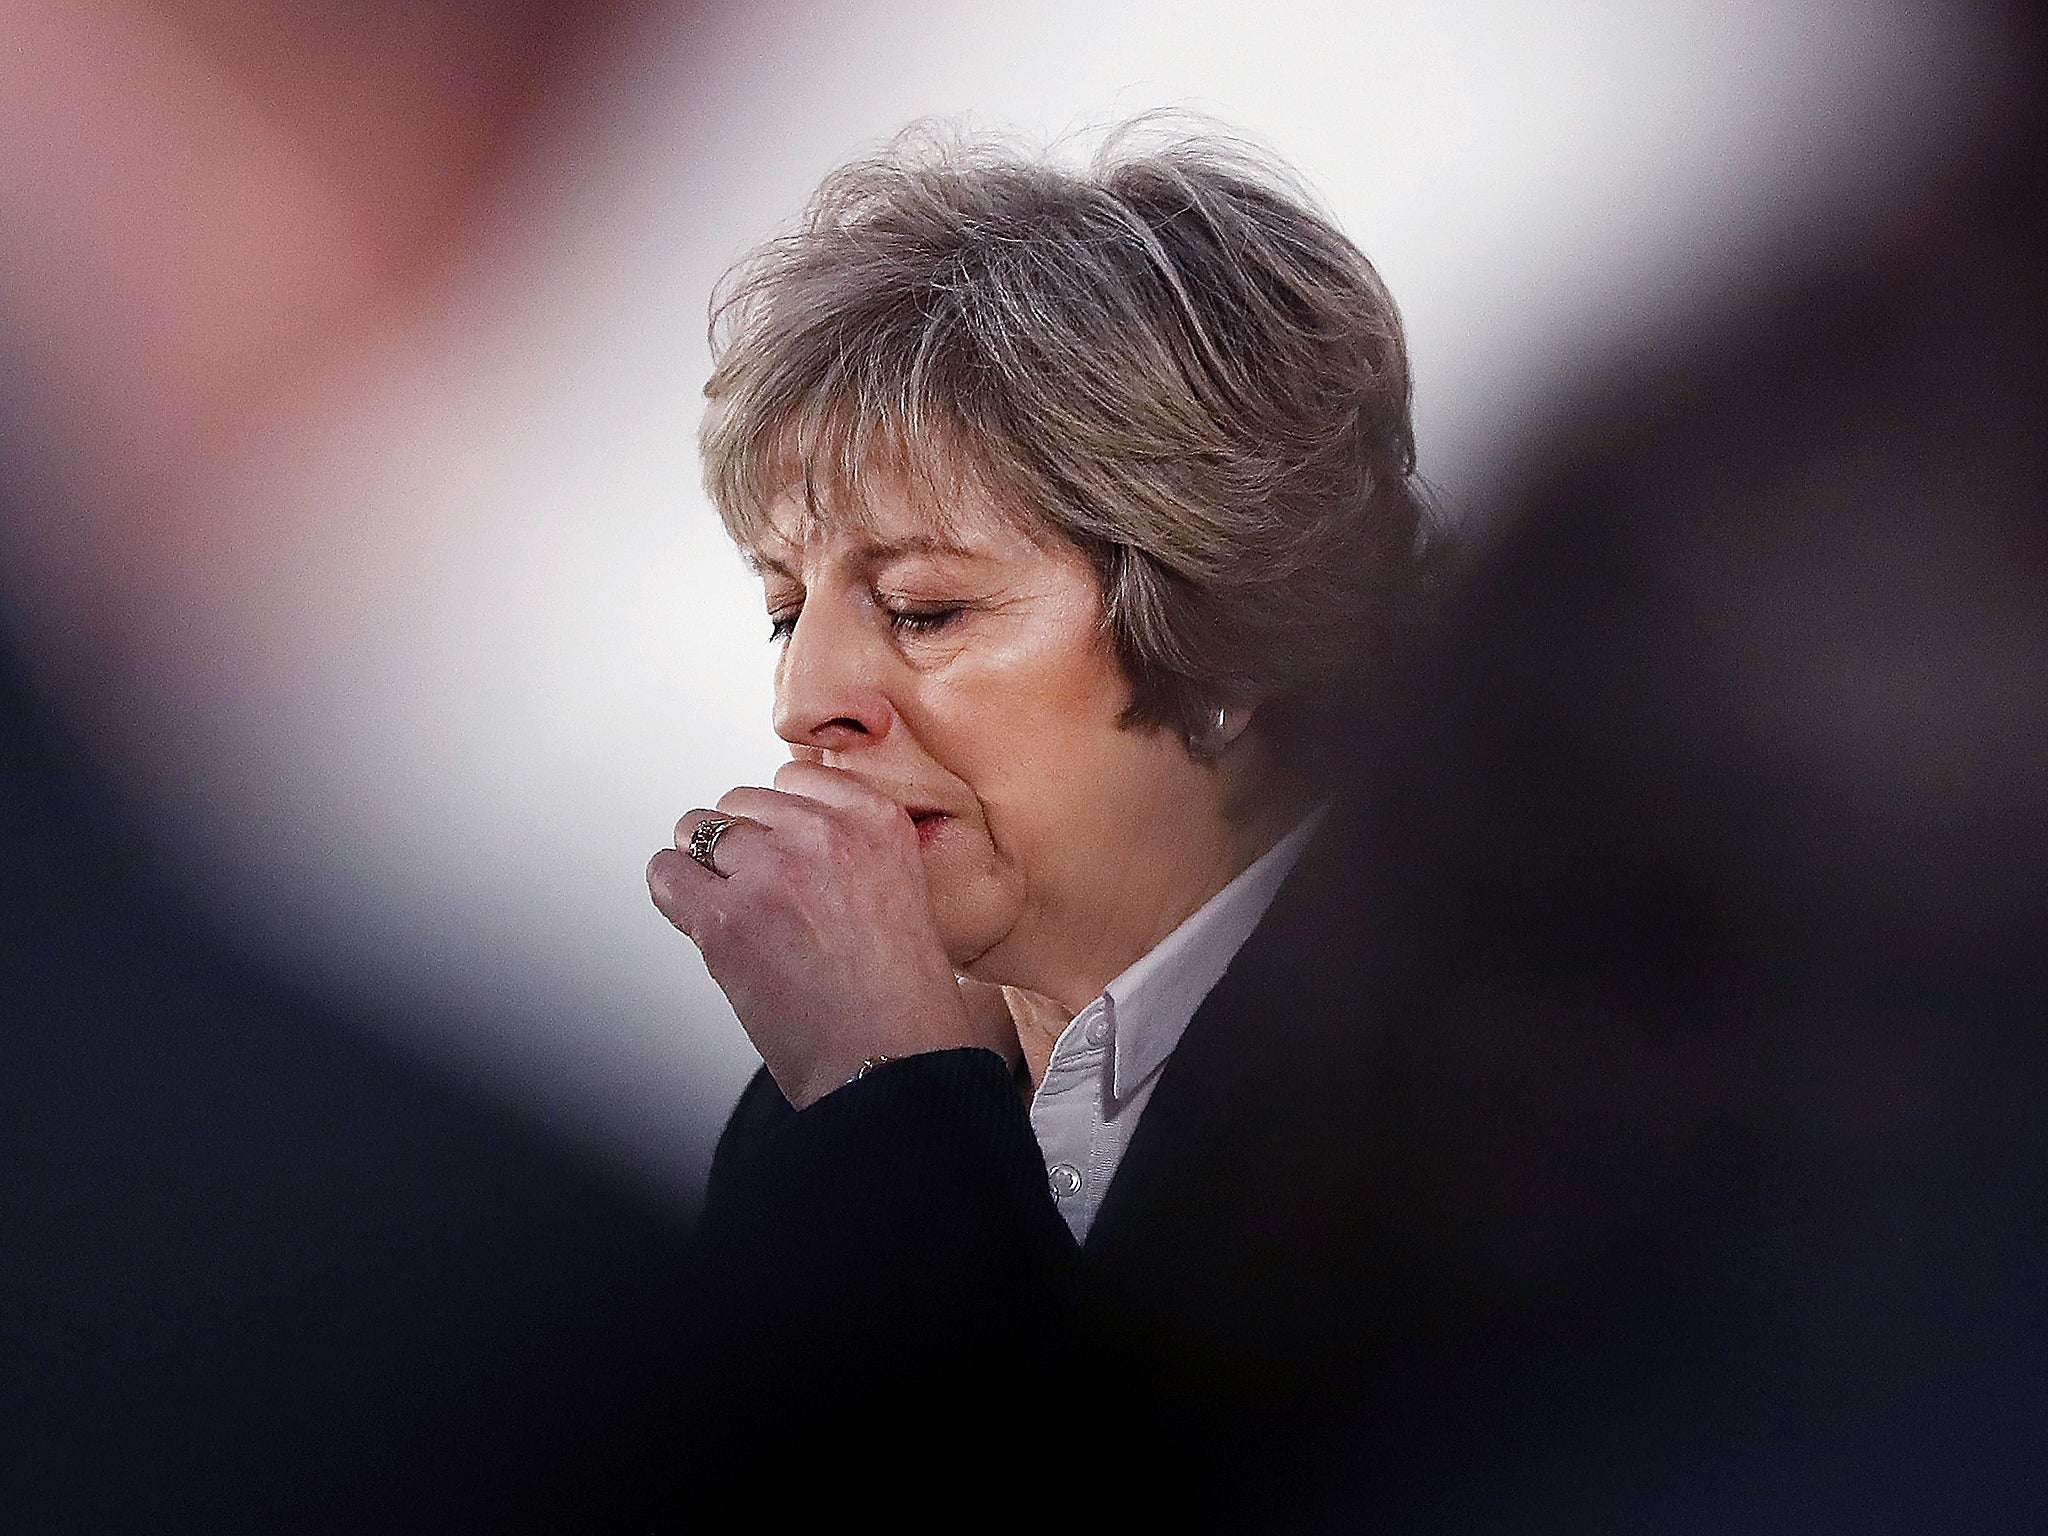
922, 621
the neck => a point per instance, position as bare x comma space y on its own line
1039, 1021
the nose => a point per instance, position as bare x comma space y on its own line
828, 694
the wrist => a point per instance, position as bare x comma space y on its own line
885, 1064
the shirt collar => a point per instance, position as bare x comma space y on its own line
1151, 1003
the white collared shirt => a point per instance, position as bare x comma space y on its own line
1107, 1060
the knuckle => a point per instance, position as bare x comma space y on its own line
680, 914
873, 825
852, 845
881, 818
810, 829
771, 856
830, 833
661, 878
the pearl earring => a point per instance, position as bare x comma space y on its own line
1210, 737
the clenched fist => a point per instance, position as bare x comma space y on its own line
818, 926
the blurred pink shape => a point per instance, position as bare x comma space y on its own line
203, 200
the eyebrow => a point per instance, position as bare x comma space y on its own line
875, 552
917, 544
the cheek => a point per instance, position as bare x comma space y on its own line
1022, 727
1052, 770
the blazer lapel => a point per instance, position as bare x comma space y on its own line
1232, 1209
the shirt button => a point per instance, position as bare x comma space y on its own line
1066, 1180
1098, 1029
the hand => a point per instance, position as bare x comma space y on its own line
821, 931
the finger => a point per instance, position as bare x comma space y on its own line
680, 889
770, 807
836, 787
808, 823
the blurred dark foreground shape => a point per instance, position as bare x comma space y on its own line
257, 1273
1707, 1103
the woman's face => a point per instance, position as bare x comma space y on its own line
963, 672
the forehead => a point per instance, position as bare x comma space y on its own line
888, 520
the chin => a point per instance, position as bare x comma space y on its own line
972, 906
966, 947
968, 929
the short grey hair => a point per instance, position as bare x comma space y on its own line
1171, 359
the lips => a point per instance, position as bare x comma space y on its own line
928, 822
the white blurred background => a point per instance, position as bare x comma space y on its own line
414, 660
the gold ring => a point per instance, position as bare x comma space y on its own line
703, 844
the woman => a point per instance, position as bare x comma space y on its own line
1084, 511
